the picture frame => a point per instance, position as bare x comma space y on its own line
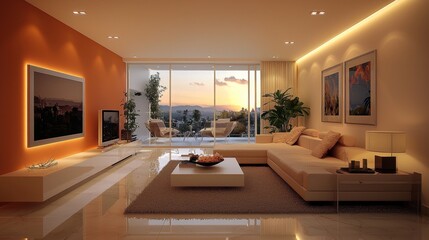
332, 94
361, 89
55, 106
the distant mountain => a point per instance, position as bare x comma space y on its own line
166, 108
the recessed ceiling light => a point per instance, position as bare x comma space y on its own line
289, 42
115, 37
79, 12
315, 13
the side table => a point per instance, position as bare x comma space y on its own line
400, 186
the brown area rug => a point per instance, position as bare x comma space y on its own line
264, 192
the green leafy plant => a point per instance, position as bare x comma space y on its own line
286, 107
153, 92
130, 115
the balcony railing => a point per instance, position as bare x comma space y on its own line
196, 140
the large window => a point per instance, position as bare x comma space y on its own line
232, 97
203, 103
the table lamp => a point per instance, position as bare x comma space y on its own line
386, 142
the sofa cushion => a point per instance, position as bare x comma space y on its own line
312, 173
345, 140
280, 137
311, 132
264, 138
288, 159
245, 153
326, 144
308, 142
294, 135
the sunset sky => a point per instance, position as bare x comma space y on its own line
196, 87
53, 87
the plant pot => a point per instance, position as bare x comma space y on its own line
127, 135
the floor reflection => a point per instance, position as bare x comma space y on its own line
95, 210
300, 226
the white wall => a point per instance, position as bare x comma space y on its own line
138, 76
400, 34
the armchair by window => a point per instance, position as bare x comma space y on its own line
157, 128
223, 129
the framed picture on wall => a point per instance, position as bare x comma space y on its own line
55, 106
361, 83
332, 94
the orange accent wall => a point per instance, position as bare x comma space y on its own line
30, 36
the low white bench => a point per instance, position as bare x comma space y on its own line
38, 185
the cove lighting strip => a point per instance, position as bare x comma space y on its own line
355, 27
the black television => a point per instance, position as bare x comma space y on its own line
108, 127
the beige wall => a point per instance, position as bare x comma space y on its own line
400, 34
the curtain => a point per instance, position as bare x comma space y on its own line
276, 75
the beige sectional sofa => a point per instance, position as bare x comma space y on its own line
314, 179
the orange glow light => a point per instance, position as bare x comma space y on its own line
25, 110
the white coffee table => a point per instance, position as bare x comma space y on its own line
225, 174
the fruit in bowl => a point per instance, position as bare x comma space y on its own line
206, 160
216, 158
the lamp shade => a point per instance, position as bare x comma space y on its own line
385, 141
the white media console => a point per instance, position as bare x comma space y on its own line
38, 185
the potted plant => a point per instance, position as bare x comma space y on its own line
286, 107
130, 115
153, 93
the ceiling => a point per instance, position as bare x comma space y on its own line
210, 30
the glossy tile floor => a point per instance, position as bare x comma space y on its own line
94, 210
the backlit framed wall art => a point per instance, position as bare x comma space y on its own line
55, 106
332, 94
361, 86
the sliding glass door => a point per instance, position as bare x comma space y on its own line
232, 100
199, 104
192, 101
